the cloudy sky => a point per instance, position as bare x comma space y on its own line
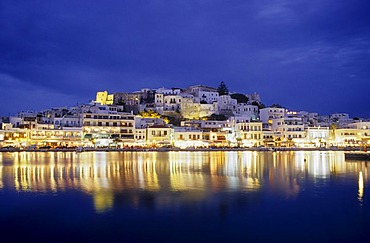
311, 55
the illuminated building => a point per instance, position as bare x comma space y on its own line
185, 137
104, 98
159, 134
172, 103
317, 136
226, 105
249, 133
195, 110
67, 121
129, 101
24, 137
103, 126
56, 137
269, 113
247, 111
290, 129
363, 130
204, 93
346, 137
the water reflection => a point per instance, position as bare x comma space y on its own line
167, 178
360, 186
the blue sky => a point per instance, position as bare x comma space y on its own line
306, 55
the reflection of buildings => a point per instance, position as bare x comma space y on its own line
171, 177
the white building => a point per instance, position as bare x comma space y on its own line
105, 126
269, 113
159, 135
204, 93
166, 91
172, 103
191, 110
140, 136
245, 110
226, 105
67, 121
317, 136
340, 119
249, 133
363, 130
344, 137
186, 137
290, 129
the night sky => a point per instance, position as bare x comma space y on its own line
311, 55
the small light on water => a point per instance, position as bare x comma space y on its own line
360, 186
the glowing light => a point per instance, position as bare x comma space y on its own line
360, 186
103, 201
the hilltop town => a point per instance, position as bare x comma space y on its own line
194, 117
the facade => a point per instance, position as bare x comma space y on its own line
188, 137
26, 137
363, 130
191, 110
204, 93
290, 130
269, 113
67, 121
249, 134
226, 105
140, 136
269, 138
103, 98
100, 129
317, 136
345, 137
166, 91
245, 110
172, 103
159, 135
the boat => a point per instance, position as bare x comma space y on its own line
357, 156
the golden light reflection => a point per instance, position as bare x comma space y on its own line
103, 201
360, 186
195, 175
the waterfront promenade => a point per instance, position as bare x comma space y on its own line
168, 149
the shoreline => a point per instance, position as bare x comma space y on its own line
273, 149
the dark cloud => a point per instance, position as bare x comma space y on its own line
311, 55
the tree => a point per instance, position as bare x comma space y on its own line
215, 117
149, 114
276, 106
260, 105
240, 98
222, 89
333, 127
